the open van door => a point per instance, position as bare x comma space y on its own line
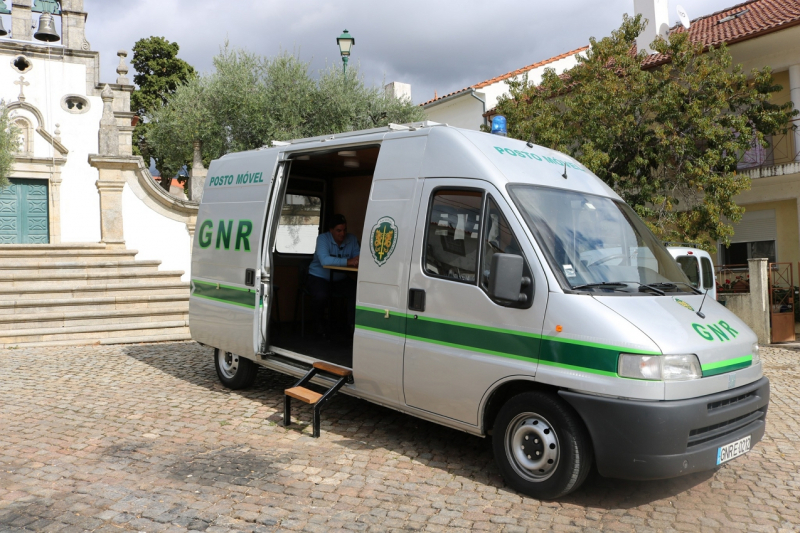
265, 273
227, 292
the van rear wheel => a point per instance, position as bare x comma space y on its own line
541, 446
234, 372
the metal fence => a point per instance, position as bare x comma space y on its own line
781, 302
733, 279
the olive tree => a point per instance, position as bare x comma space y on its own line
250, 100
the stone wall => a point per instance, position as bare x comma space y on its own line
753, 307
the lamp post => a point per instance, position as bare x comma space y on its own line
345, 42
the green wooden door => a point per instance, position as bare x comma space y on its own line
23, 212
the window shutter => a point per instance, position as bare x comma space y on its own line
756, 226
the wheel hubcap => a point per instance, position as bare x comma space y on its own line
228, 364
532, 447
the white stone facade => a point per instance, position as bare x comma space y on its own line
97, 191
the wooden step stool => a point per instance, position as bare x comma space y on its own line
311, 397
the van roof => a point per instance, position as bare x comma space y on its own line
461, 153
686, 249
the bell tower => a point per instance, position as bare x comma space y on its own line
73, 25
21, 20
73, 22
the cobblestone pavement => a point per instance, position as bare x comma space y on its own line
144, 438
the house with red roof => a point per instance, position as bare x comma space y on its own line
758, 33
467, 107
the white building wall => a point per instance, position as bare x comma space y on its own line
154, 235
50, 81
463, 111
494, 91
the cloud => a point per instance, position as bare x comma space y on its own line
434, 46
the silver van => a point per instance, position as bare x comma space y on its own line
502, 290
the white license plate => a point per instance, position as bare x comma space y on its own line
734, 449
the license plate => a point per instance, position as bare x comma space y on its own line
734, 449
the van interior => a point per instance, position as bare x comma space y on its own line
319, 185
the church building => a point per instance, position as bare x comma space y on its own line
92, 248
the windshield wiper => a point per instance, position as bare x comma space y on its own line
652, 288
602, 285
669, 285
624, 283
691, 287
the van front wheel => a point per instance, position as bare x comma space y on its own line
233, 371
541, 446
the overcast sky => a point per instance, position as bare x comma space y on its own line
434, 46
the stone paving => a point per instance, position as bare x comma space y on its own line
144, 438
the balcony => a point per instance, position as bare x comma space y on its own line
776, 160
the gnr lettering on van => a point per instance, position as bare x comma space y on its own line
246, 178
721, 330
205, 235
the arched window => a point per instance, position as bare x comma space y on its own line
25, 136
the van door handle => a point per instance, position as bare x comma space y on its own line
250, 277
416, 300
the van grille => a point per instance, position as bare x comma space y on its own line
729, 401
708, 433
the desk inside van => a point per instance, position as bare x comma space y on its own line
345, 269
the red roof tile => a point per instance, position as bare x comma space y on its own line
508, 75
753, 19
744, 21
748, 20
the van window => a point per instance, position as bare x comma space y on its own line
452, 240
498, 238
298, 226
689, 265
708, 273
592, 242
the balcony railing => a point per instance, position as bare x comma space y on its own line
781, 150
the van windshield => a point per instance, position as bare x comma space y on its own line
597, 244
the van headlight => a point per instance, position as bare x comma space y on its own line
756, 354
659, 367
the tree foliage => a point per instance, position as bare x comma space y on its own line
9, 143
159, 72
667, 139
250, 100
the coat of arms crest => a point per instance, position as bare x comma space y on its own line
383, 240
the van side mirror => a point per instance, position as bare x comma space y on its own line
507, 281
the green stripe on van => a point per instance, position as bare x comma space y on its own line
580, 356
225, 294
728, 365
562, 353
509, 344
374, 320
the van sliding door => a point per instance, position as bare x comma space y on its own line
227, 292
273, 215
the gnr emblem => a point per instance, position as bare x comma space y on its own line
383, 240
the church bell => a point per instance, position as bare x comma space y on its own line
2, 29
47, 29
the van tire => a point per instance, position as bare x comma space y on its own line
234, 371
551, 430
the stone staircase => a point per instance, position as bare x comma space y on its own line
69, 294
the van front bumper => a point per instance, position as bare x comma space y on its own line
657, 440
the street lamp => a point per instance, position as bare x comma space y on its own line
345, 42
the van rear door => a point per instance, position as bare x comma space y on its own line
226, 270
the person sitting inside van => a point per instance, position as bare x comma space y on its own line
335, 247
